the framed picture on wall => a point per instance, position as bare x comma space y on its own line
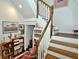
9, 27
60, 3
22, 28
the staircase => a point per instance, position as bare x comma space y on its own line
62, 48
49, 46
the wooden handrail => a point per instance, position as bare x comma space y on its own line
45, 3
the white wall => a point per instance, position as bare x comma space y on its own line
75, 13
8, 12
65, 18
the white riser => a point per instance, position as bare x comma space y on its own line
69, 40
59, 55
75, 50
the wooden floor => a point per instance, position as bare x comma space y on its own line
0, 57
67, 35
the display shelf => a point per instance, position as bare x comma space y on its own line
18, 42
6, 56
7, 49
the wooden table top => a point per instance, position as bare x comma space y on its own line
0, 57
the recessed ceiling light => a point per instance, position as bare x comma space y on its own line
20, 6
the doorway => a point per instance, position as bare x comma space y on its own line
29, 36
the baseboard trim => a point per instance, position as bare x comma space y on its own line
63, 32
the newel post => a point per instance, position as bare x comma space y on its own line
37, 9
51, 15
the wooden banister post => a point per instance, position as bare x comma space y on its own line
37, 9
13, 47
51, 14
37, 44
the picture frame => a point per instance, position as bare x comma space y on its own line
60, 3
9, 27
22, 28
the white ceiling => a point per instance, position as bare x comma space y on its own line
26, 9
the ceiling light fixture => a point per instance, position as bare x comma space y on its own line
20, 6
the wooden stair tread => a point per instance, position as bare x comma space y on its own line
48, 56
67, 35
65, 43
63, 52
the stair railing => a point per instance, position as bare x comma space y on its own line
46, 12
